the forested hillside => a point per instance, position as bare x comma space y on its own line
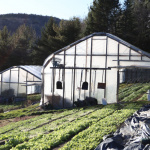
13, 21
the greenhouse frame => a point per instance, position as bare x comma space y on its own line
90, 68
18, 81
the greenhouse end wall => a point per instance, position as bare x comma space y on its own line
13, 83
94, 60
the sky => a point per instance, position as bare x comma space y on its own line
63, 9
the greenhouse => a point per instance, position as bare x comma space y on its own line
91, 69
18, 81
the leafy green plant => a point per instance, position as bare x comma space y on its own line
65, 131
90, 138
137, 93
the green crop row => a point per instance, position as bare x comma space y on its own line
143, 98
124, 87
47, 127
130, 90
91, 137
36, 120
55, 124
63, 132
136, 93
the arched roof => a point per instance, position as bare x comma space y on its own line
98, 34
34, 70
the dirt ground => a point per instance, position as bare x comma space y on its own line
7, 121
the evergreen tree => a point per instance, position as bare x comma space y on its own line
89, 29
68, 31
55, 37
142, 15
45, 45
6, 47
127, 22
22, 39
102, 15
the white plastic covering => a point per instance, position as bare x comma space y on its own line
13, 81
98, 50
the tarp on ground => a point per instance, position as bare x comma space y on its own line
134, 135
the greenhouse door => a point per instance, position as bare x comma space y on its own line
98, 85
86, 85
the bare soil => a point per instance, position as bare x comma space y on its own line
7, 121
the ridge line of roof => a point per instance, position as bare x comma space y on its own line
102, 34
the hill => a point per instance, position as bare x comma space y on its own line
13, 21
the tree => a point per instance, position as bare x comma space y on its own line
23, 39
102, 15
55, 37
127, 22
142, 14
68, 31
6, 47
45, 45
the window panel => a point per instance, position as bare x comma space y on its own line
14, 75
88, 46
123, 57
47, 68
61, 53
135, 58
15, 69
6, 76
48, 84
79, 80
80, 61
97, 76
100, 37
71, 50
69, 74
69, 61
29, 77
5, 89
13, 89
111, 80
145, 58
141, 63
134, 52
112, 47
98, 61
31, 89
36, 79
22, 90
123, 50
99, 47
81, 48
22, 76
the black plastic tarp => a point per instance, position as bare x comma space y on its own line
133, 135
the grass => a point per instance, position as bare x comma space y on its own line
17, 105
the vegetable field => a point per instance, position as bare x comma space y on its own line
15, 105
78, 128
